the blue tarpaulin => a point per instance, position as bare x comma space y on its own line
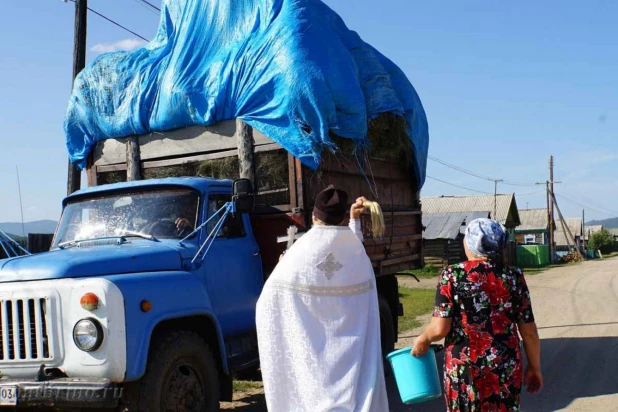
289, 68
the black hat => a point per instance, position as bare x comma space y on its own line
331, 205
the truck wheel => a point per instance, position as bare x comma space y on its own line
387, 329
181, 375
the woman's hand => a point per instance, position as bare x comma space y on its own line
533, 380
421, 346
357, 208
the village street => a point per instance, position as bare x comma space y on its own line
576, 308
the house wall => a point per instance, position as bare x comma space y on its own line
442, 252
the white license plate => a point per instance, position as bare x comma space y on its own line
8, 395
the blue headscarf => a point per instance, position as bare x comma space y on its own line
486, 238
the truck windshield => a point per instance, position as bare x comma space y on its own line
164, 214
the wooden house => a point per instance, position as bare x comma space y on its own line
562, 240
534, 227
443, 236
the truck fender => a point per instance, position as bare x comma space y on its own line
176, 298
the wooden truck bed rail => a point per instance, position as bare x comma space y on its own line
286, 189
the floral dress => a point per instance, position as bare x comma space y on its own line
483, 360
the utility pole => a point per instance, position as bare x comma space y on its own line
550, 217
551, 208
495, 217
584, 232
550, 222
79, 62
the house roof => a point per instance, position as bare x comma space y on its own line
592, 229
506, 206
574, 225
533, 219
448, 225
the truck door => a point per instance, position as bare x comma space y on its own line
233, 269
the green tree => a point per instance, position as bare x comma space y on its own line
602, 240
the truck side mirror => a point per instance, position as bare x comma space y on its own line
244, 197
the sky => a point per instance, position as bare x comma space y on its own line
504, 84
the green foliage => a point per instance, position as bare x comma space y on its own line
602, 240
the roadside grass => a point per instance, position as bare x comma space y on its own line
416, 302
246, 386
428, 272
610, 255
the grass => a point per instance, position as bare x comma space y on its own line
610, 255
246, 386
416, 302
428, 272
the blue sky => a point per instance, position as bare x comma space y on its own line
505, 85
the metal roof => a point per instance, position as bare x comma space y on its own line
506, 206
575, 226
533, 219
448, 225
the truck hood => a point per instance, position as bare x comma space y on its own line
139, 256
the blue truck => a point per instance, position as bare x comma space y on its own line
146, 300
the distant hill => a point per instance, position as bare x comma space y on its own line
40, 226
607, 223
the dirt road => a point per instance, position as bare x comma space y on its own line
577, 312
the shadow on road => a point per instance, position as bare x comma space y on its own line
575, 368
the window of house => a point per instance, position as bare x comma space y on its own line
529, 239
233, 227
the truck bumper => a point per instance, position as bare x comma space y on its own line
65, 392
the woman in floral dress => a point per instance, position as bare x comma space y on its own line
480, 307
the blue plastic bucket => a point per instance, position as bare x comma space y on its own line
417, 378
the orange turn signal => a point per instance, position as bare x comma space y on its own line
146, 305
89, 302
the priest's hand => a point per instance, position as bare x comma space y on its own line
357, 208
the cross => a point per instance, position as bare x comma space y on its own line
292, 236
330, 266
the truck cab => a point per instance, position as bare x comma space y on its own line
127, 309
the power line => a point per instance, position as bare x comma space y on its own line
530, 194
461, 187
115, 23
468, 172
150, 4
150, 9
608, 212
452, 166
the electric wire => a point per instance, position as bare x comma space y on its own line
608, 212
146, 2
460, 187
477, 175
115, 23
146, 7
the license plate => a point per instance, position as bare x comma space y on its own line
8, 395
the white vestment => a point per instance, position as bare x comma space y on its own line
318, 327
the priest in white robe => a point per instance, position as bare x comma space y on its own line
318, 320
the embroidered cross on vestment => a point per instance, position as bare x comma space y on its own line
329, 266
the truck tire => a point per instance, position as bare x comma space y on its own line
181, 375
387, 330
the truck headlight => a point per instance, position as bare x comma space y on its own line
88, 334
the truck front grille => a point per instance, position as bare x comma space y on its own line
25, 330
